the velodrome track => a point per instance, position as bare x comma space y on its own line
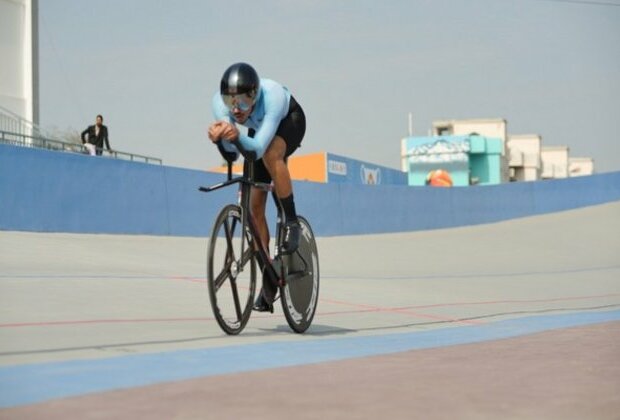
518, 319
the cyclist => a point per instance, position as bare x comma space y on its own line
276, 125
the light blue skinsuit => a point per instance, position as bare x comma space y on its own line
270, 108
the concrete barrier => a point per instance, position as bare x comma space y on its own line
48, 191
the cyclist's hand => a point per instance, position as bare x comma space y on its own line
215, 131
230, 132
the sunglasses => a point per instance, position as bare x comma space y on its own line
242, 102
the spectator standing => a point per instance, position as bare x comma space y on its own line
94, 137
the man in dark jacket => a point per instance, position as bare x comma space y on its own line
94, 137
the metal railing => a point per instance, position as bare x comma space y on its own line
14, 123
41, 142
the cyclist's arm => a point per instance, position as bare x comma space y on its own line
263, 137
276, 107
220, 113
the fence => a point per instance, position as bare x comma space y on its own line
13, 123
17, 131
40, 142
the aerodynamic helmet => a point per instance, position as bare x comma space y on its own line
240, 86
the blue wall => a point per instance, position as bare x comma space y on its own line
351, 171
60, 192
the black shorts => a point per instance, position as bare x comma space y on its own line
292, 129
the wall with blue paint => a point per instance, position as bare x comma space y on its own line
351, 171
49, 191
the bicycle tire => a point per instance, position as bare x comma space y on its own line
231, 277
300, 294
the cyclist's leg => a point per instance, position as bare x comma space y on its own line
288, 138
274, 162
258, 199
258, 202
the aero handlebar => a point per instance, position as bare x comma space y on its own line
231, 156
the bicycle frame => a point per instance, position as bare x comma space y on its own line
246, 183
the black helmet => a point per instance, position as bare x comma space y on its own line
239, 86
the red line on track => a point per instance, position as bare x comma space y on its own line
361, 308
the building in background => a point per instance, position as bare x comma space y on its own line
475, 159
554, 162
488, 127
468, 159
524, 157
19, 68
580, 166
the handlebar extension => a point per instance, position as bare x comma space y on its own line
247, 154
232, 156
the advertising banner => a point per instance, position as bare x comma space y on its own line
342, 169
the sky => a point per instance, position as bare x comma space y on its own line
357, 67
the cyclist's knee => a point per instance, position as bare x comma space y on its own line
275, 152
275, 166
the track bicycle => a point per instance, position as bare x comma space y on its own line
235, 250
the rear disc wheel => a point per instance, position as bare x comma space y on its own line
300, 293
